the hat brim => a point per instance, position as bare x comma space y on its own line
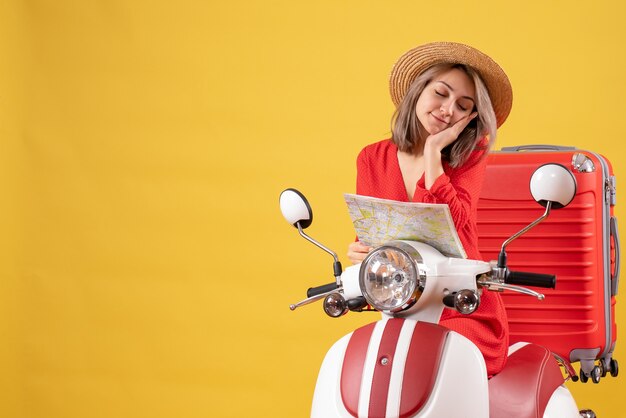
418, 59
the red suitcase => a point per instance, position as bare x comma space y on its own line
578, 243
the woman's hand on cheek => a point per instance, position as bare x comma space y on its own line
357, 252
440, 140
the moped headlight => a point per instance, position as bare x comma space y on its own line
391, 277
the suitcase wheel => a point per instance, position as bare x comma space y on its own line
604, 367
595, 374
614, 367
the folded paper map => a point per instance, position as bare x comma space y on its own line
378, 221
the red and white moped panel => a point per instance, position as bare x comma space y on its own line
402, 368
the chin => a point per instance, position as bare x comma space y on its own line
433, 130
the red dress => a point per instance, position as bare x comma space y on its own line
379, 175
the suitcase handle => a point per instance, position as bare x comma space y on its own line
538, 147
615, 275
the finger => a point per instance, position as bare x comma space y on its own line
356, 258
463, 122
355, 247
357, 252
466, 119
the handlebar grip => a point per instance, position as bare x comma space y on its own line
314, 291
522, 278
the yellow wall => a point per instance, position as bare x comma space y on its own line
145, 270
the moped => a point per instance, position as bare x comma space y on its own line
405, 364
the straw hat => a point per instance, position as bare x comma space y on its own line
418, 59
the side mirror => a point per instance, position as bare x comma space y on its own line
553, 186
553, 183
295, 208
297, 211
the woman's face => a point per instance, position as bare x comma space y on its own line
445, 100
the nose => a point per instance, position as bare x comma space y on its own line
447, 108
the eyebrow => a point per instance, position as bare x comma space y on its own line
450, 87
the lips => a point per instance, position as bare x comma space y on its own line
439, 119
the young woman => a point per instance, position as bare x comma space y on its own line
449, 98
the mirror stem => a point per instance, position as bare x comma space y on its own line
502, 256
337, 269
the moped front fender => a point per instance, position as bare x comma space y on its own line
402, 368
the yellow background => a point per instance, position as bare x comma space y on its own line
145, 269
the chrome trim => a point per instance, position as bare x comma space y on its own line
527, 228
319, 245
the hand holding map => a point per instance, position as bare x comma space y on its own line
378, 221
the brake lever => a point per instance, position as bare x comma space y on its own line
314, 298
497, 286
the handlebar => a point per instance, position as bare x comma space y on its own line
522, 278
325, 288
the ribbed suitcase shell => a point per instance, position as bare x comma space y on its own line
578, 243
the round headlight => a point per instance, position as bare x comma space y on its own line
390, 277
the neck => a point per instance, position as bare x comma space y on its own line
418, 148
